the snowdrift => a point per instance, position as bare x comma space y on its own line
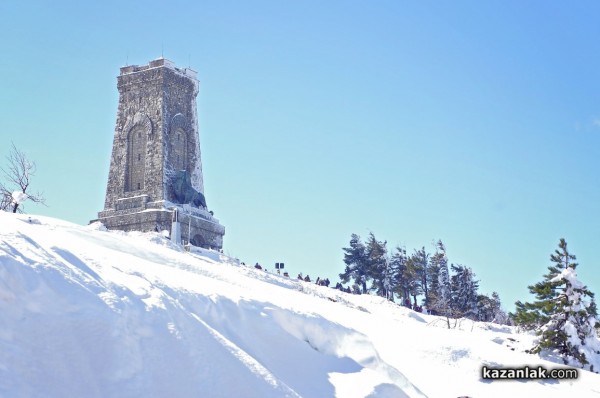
86, 312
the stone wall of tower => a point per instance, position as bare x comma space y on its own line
182, 149
157, 101
156, 136
139, 111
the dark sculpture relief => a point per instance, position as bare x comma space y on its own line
182, 191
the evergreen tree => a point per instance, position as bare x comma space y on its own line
433, 285
489, 309
564, 313
413, 276
400, 284
533, 315
464, 292
441, 298
378, 266
421, 264
485, 308
500, 316
355, 258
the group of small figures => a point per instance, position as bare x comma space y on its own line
258, 266
339, 286
414, 307
321, 282
325, 282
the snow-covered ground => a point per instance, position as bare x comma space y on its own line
86, 312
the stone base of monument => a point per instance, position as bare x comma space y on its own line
198, 226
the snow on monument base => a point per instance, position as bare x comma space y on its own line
199, 229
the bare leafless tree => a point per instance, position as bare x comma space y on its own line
18, 174
5, 198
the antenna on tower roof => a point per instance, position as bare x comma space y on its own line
162, 50
127, 58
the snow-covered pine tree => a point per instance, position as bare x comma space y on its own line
355, 258
500, 316
485, 308
414, 270
400, 283
564, 313
531, 316
441, 299
433, 286
421, 260
489, 309
378, 266
464, 292
388, 280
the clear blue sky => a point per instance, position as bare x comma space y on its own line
477, 123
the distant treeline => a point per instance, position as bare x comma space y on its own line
450, 291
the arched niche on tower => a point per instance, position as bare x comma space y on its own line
139, 131
178, 143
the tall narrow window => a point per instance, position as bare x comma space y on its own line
136, 154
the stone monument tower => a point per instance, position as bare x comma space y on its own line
155, 172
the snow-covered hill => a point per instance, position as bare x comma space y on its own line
91, 313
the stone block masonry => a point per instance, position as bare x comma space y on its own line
156, 137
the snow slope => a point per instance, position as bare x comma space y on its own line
86, 312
